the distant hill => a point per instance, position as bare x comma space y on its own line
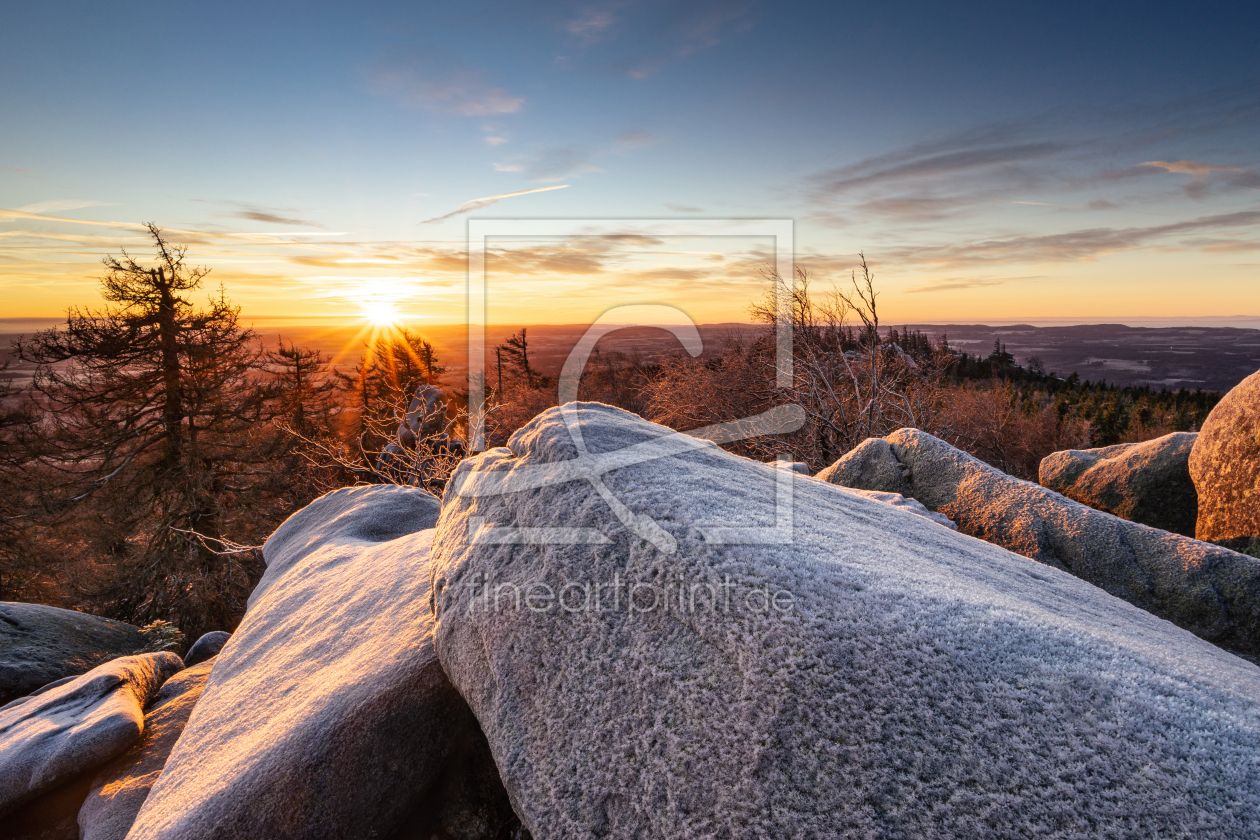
1211, 358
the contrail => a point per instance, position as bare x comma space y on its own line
478, 203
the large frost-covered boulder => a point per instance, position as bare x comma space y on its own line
373, 514
121, 786
909, 505
327, 714
52, 737
857, 671
1225, 465
41, 644
1146, 482
1209, 590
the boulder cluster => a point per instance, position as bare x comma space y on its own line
610, 629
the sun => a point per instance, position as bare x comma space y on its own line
379, 312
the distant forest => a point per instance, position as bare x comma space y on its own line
160, 441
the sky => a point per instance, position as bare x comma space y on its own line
1069, 162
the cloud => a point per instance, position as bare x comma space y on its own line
272, 218
62, 205
882, 170
640, 38
495, 140
551, 164
684, 208
1073, 245
1102, 204
628, 140
590, 24
1190, 167
478, 203
561, 259
459, 91
951, 284
1205, 177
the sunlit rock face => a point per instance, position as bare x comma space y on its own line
860, 672
121, 786
327, 715
1146, 482
1209, 590
40, 644
48, 739
1225, 465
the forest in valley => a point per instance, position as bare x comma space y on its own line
161, 440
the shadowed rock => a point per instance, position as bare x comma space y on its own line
121, 786
909, 505
41, 644
51, 738
1209, 590
1225, 466
871, 465
861, 673
207, 646
1145, 482
327, 714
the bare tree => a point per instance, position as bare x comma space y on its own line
851, 380
147, 406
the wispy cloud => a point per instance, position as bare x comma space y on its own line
1205, 177
61, 205
684, 208
259, 215
551, 164
591, 23
459, 91
953, 284
640, 38
479, 203
1073, 245
635, 139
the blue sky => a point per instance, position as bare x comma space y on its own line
993, 160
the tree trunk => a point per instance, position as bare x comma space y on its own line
168, 332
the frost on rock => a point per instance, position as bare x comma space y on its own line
872, 675
1225, 467
909, 505
371, 514
41, 644
1207, 589
327, 714
120, 787
1147, 482
48, 739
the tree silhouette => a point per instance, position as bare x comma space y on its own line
147, 406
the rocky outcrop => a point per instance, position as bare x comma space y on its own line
1209, 590
1225, 466
49, 739
854, 670
121, 786
40, 644
1146, 482
327, 715
207, 646
871, 465
909, 505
